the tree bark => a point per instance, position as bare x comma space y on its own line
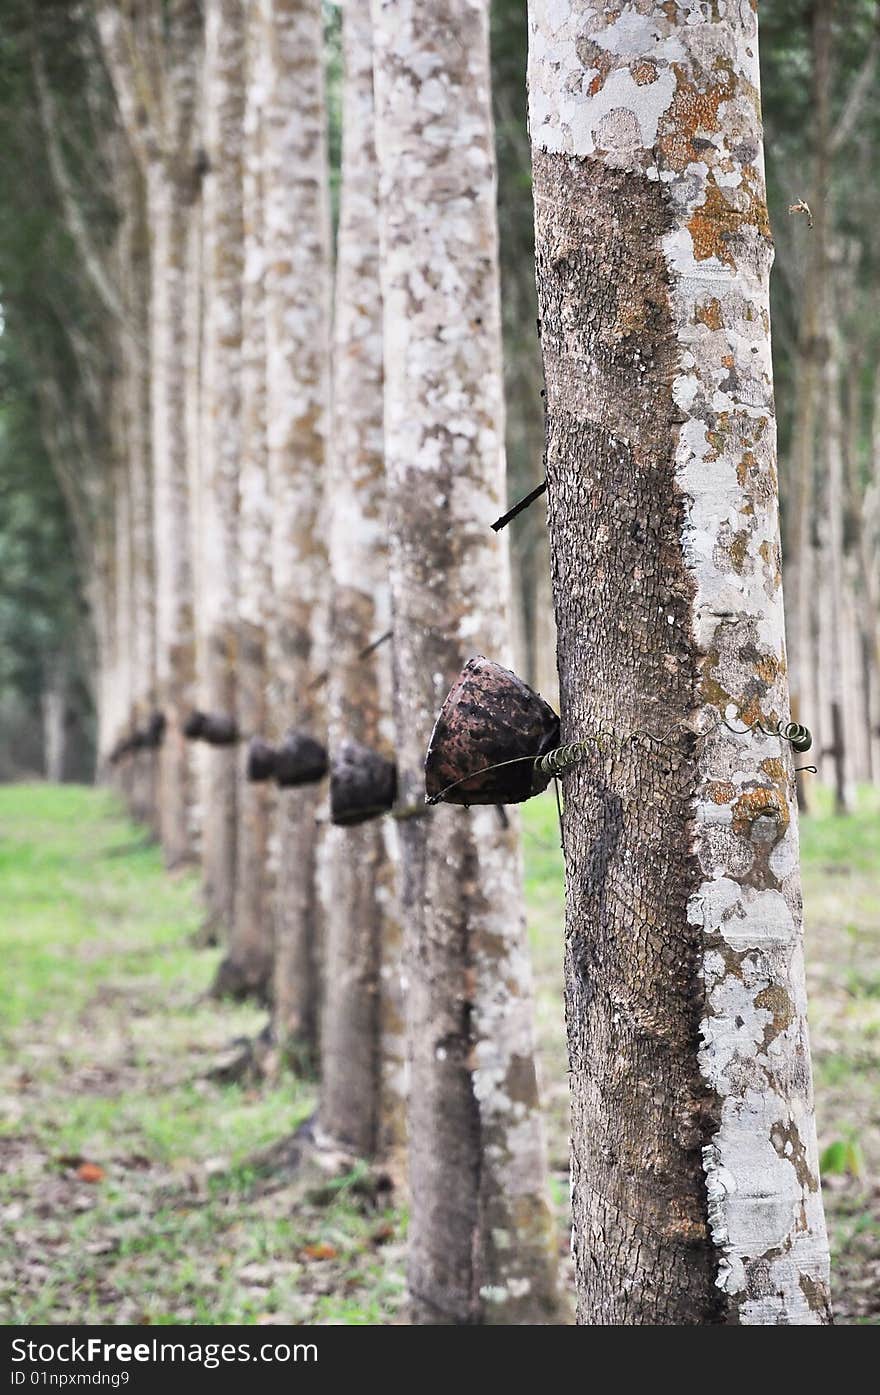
175, 659
136, 291
480, 1228
223, 235
297, 227
835, 656
694, 1161
54, 713
811, 358
252, 940
153, 71
363, 1041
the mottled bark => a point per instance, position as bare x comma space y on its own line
834, 656
363, 1044
153, 71
812, 354
297, 229
251, 942
694, 1164
480, 1232
175, 659
223, 234
54, 709
870, 564
198, 754
136, 291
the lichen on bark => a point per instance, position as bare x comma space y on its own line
363, 1048
694, 1150
298, 319
480, 1232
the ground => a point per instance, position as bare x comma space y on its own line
129, 1191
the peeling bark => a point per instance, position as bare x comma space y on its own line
480, 1231
694, 1161
363, 1041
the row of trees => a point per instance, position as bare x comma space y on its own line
823, 62
274, 450
235, 521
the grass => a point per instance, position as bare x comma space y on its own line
106, 1043
106, 1039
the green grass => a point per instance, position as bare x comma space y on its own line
106, 1044
106, 1039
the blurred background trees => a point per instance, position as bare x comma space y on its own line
820, 65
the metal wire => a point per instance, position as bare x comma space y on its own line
572, 753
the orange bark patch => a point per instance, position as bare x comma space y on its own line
711, 691
692, 112
768, 669
773, 767
709, 313
644, 73
750, 712
738, 550
747, 463
766, 802
716, 221
721, 792
771, 555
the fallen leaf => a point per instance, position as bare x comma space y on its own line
322, 1250
90, 1172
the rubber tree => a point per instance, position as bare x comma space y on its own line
363, 1043
153, 67
480, 1233
251, 940
222, 268
694, 1162
298, 317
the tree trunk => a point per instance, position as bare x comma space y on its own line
54, 713
870, 568
118, 486
249, 958
221, 433
175, 659
812, 353
135, 350
297, 226
834, 656
153, 70
363, 1043
198, 754
694, 1161
480, 1229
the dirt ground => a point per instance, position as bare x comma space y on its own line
129, 1190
